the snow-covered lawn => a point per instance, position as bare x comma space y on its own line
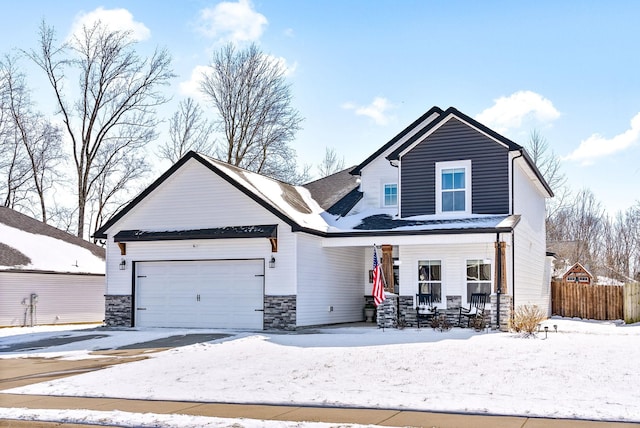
586, 370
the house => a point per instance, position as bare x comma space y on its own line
47, 276
454, 208
577, 273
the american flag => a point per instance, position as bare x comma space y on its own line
378, 287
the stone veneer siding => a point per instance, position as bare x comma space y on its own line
117, 311
280, 312
452, 311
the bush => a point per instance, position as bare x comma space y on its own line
526, 319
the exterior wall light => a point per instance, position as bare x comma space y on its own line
272, 262
123, 264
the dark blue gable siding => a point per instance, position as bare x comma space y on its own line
456, 141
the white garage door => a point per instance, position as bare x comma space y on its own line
204, 294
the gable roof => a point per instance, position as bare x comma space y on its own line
292, 204
433, 110
29, 244
577, 268
451, 112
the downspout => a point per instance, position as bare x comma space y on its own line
513, 235
498, 279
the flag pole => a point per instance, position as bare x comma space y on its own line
384, 280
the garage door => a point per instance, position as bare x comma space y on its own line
203, 294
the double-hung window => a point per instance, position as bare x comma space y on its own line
478, 277
430, 278
453, 187
391, 195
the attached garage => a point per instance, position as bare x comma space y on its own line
200, 294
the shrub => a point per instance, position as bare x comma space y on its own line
526, 319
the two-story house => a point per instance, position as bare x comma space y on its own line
453, 207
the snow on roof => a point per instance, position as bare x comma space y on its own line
45, 253
295, 202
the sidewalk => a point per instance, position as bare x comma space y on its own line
286, 413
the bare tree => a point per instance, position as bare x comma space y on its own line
253, 104
188, 130
114, 112
549, 165
330, 164
621, 244
39, 140
34, 143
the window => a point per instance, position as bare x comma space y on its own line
453, 186
478, 277
430, 278
390, 195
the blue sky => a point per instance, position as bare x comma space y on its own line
363, 70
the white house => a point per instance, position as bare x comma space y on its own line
47, 276
454, 208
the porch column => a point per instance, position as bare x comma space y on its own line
501, 268
387, 267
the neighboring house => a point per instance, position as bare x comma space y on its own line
454, 207
47, 276
577, 273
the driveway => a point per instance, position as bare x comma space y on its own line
15, 372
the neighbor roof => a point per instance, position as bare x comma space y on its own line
29, 244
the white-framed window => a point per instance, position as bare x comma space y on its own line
430, 278
390, 195
453, 187
479, 277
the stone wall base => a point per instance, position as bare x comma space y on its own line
117, 311
280, 312
452, 311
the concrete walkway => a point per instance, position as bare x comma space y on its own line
288, 413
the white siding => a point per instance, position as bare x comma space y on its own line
530, 285
374, 176
192, 198
454, 265
328, 278
62, 299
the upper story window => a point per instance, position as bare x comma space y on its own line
390, 195
453, 187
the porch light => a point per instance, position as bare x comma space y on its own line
123, 264
272, 262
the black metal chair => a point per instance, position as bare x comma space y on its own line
424, 308
475, 310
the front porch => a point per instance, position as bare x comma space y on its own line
397, 309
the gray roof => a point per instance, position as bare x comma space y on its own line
336, 193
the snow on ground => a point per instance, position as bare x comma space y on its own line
586, 370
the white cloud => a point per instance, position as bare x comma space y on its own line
510, 112
191, 87
114, 19
232, 21
287, 69
597, 146
377, 110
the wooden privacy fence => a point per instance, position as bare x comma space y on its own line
596, 302
632, 303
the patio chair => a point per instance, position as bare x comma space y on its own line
424, 307
475, 309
